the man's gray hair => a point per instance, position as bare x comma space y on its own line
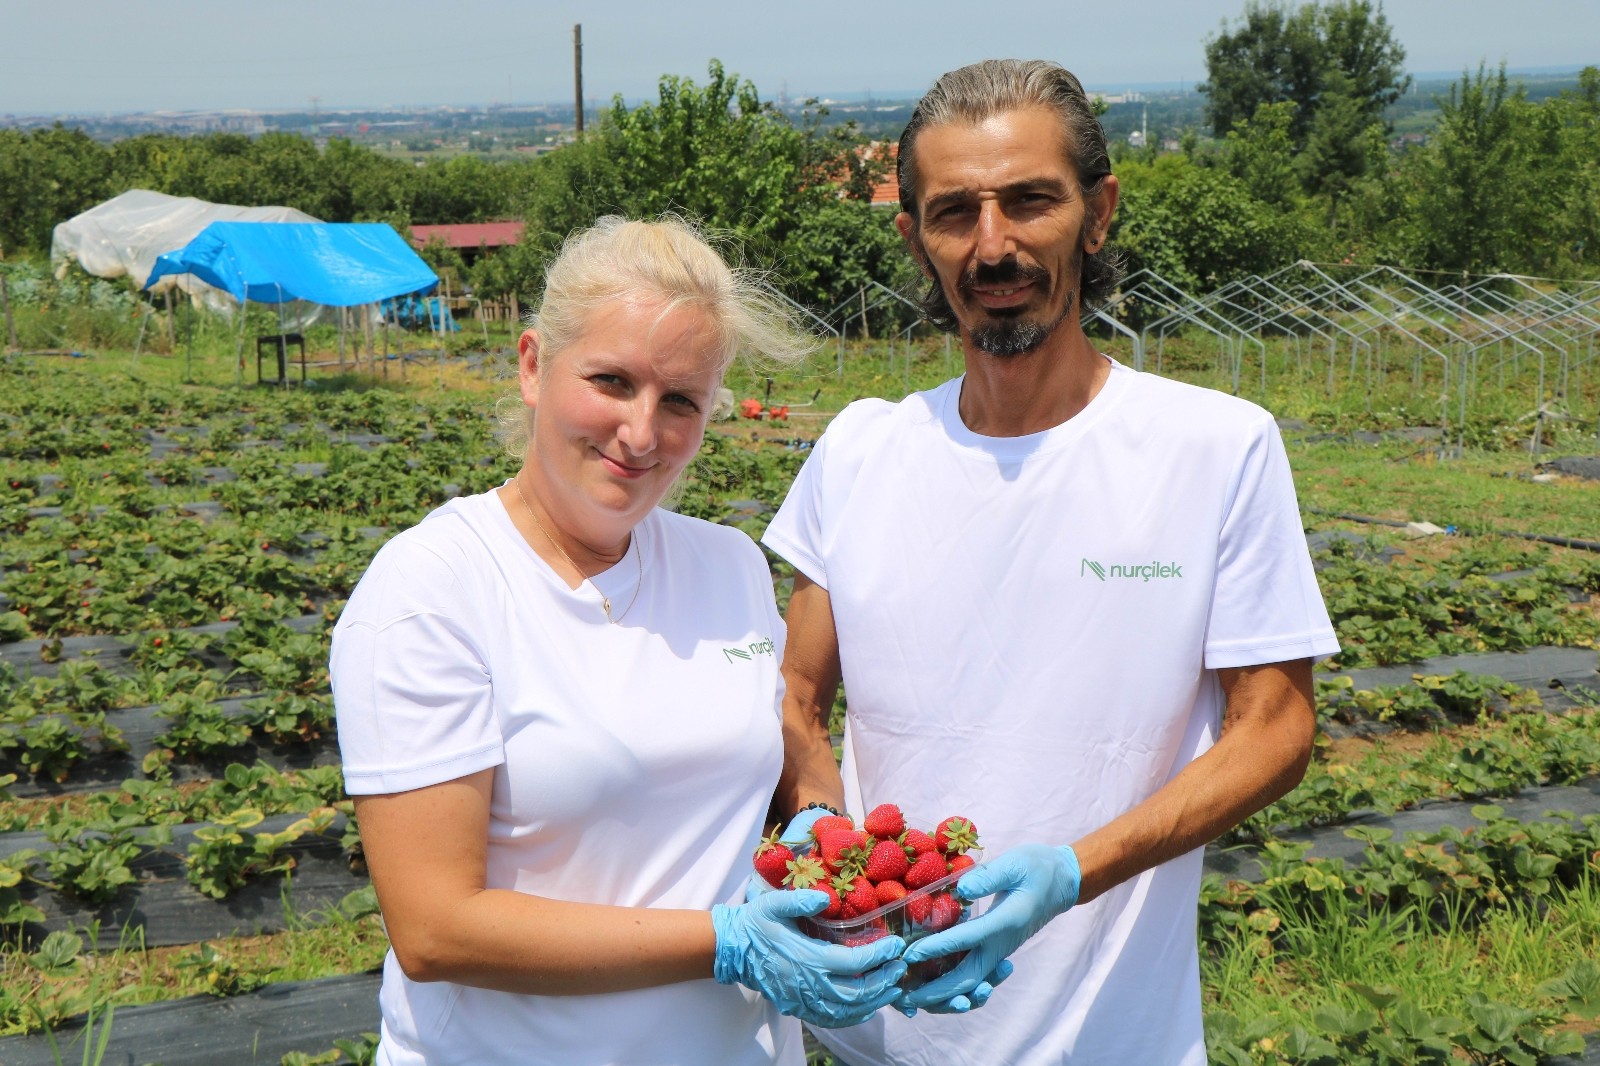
994, 86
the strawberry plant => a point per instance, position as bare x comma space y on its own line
199, 727
227, 854
220, 975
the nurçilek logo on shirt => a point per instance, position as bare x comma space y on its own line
749, 651
1135, 570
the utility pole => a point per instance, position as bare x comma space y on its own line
577, 72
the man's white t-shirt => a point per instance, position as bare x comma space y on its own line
633, 763
1029, 629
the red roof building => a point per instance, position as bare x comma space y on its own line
469, 236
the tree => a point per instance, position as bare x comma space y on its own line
1199, 226
719, 154
1341, 142
48, 175
1261, 155
1469, 187
1344, 51
1274, 56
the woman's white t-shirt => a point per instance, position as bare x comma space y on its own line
633, 763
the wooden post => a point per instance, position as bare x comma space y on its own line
172, 335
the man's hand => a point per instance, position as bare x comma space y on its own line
1035, 882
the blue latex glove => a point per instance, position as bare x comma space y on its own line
829, 985
961, 1004
1035, 883
798, 831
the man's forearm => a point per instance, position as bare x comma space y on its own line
811, 678
810, 771
1261, 755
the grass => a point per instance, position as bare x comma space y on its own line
1506, 957
1478, 492
324, 945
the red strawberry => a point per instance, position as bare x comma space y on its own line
885, 822
946, 911
889, 892
860, 899
955, 835
853, 858
919, 908
961, 863
886, 862
868, 933
832, 844
831, 823
772, 860
917, 842
835, 907
926, 870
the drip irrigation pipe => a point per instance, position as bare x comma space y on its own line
1544, 538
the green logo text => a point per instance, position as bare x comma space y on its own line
1142, 571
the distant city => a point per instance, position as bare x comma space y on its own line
1148, 113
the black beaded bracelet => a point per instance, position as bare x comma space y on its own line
818, 807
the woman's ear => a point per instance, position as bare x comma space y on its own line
528, 367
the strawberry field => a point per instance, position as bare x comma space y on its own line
180, 877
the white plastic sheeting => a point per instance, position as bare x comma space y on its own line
124, 236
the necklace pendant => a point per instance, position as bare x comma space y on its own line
605, 602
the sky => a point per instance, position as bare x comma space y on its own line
96, 56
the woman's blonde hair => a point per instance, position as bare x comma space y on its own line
667, 259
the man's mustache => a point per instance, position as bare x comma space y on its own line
1005, 272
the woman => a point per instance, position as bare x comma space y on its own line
558, 711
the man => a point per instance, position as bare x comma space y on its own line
1068, 601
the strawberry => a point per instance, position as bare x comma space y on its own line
868, 933
805, 872
830, 823
946, 911
919, 909
832, 844
889, 892
955, 835
861, 898
961, 863
885, 822
772, 860
835, 907
886, 862
926, 870
917, 842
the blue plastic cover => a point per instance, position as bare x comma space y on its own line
338, 264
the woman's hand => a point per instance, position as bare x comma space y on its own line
829, 985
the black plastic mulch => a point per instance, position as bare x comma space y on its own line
1331, 842
1563, 677
140, 727
257, 1027
1584, 466
162, 909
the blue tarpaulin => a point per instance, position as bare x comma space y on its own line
338, 264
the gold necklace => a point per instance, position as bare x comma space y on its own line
605, 601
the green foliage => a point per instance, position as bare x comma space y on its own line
721, 155
1199, 226
218, 972
1309, 55
229, 852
